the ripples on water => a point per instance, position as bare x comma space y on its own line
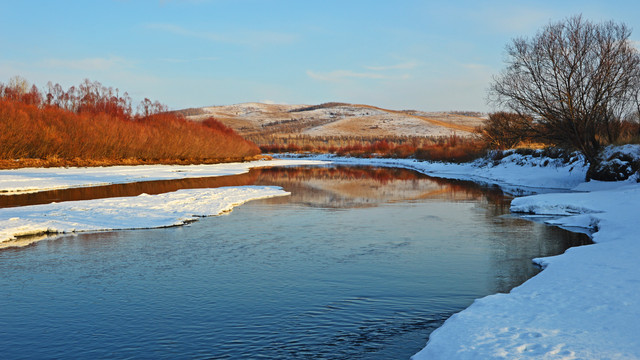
357, 263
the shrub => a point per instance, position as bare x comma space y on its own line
103, 128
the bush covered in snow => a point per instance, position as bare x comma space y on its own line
534, 157
614, 163
617, 163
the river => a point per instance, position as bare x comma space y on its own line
358, 263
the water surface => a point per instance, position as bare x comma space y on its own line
358, 263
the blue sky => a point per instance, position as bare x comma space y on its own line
425, 55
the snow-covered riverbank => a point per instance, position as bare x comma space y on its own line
138, 212
584, 305
16, 181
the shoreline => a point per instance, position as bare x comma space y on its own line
77, 162
31, 180
28, 224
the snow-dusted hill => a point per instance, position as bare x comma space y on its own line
335, 119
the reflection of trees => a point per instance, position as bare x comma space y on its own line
368, 186
130, 189
320, 186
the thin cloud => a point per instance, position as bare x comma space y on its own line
474, 66
340, 75
244, 38
401, 66
88, 64
184, 61
514, 18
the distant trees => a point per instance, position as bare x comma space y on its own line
451, 148
148, 108
505, 130
576, 80
89, 97
18, 90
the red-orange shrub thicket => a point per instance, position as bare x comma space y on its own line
95, 122
451, 149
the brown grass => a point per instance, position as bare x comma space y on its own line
425, 118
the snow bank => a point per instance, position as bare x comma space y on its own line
40, 179
144, 211
515, 174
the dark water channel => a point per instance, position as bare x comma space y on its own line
358, 263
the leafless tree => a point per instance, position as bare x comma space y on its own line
147, 108
576, 78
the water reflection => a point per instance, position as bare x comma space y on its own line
123, 190
340, 186
352, 187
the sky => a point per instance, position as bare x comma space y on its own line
403, 54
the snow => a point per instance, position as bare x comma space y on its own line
40, 179
143, 211
584, 305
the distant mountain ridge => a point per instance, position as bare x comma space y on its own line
337, 119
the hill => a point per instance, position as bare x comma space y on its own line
337, 120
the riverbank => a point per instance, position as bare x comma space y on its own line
29, 180
20, 226
583, 305
53, 162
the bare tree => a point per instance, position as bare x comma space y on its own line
19, 84
577, 79
147, 108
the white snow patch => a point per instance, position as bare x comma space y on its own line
143, 211
39, 179
584, 305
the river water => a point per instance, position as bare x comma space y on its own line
358, 263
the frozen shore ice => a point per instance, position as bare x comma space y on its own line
138, 212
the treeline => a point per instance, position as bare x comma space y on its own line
450, 148
92, 122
